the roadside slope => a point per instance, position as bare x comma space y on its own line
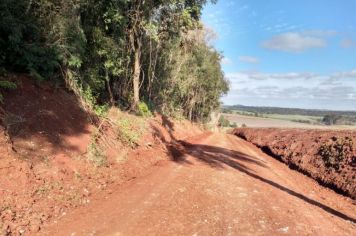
328, 156
54, 158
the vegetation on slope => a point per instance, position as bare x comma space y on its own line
117, 52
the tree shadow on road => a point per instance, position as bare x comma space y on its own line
217, 157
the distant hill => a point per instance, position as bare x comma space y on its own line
287, 111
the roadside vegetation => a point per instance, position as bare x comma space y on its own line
141, 56
223, 122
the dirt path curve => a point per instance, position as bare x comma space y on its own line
223, 186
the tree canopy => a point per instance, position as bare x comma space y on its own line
117, 52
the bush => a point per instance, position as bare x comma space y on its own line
143, 110
127, 133
243, 125
223, 122
336, 151
233, 125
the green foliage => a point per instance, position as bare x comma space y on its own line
330, 119
129, 131
223, 122
22, 45
92, 44
7, 84
336, 151
143, 110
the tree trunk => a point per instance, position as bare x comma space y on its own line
112, 101
136, 78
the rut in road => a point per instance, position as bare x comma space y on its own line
218, 185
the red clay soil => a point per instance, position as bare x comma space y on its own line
169, 184
44, 171
220, 185
300, 149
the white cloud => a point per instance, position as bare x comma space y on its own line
347, 75
294, 42
293, 85
226, 61
249, 59
253, 75
348, 43
319, 33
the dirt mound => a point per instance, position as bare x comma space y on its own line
46, 141
327, 156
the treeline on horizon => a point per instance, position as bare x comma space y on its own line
134, 54
287, 111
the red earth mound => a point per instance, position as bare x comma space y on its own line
327, 156
44, 143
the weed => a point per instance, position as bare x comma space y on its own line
96, 155
127, 134
336, 151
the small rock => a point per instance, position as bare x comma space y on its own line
284, 230
22, 231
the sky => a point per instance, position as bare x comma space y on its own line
287, 53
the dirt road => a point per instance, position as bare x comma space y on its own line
222, 185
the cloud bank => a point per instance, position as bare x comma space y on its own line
249, 59
294, 42
294, 89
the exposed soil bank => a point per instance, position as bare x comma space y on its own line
45, 142
301, 149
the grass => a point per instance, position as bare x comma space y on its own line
129, 128
96, 154
295, 118
126, 128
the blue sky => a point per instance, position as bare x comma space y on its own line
287, 53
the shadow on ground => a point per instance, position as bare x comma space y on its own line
217, 157
42, 121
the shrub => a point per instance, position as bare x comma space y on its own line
223, 122
96, 155
127, 134
336, 151
143, 110
233, 125
243, 125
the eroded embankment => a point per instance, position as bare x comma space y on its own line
54, 157
327, 156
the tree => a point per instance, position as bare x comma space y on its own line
330, 119
117, 52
